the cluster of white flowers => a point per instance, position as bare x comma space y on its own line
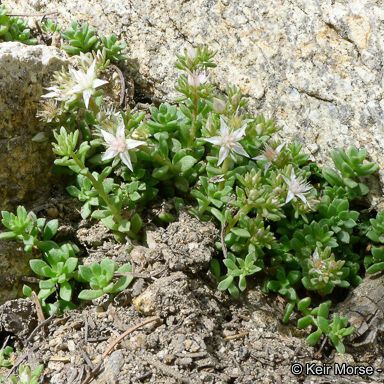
81, 83
325, 270
84, 83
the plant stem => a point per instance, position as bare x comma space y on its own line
93, 106
224, 169
98, 185
195, 111
243, 211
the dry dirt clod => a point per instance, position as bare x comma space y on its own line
186, 245
163, 296
18, 317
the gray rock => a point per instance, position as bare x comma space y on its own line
112, 368
364, 308
316, 66
25, 165
13, 265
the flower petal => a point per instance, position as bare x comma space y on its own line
202, 77
91, 73
224, 130
109, 154
215, 140
191, 52
223, 154
108, 137
302, 198
86, 97
238, 148
192, 81
290, 196
280, 147
239, 133
77, 75
76, 89
50, 95
134, 143
287, 181
266, 167
120, 132
98, 83
124, 156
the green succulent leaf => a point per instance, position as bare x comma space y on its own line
314, 338
90, 294
224, 284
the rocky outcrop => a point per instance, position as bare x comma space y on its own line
316, 66
25, 164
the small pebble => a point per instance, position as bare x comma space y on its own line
71, 346
169, 359
184, 361
53, 212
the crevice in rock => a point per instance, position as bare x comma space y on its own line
180, 33
297, 6
343, 36
314, 95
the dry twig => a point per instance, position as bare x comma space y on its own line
237, 336
40, 325
223, 240
39, 310
140, 275
122, 83
19, 361
5, 342
110, 348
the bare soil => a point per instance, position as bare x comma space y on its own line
193, 332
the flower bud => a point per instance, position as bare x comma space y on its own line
195, 79
191, 53
235, 99
218, 105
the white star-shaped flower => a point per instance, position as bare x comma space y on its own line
269, 155
228, 141
297, 186
195, 78
86, 82
119, 145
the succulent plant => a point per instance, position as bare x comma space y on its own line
14, 29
